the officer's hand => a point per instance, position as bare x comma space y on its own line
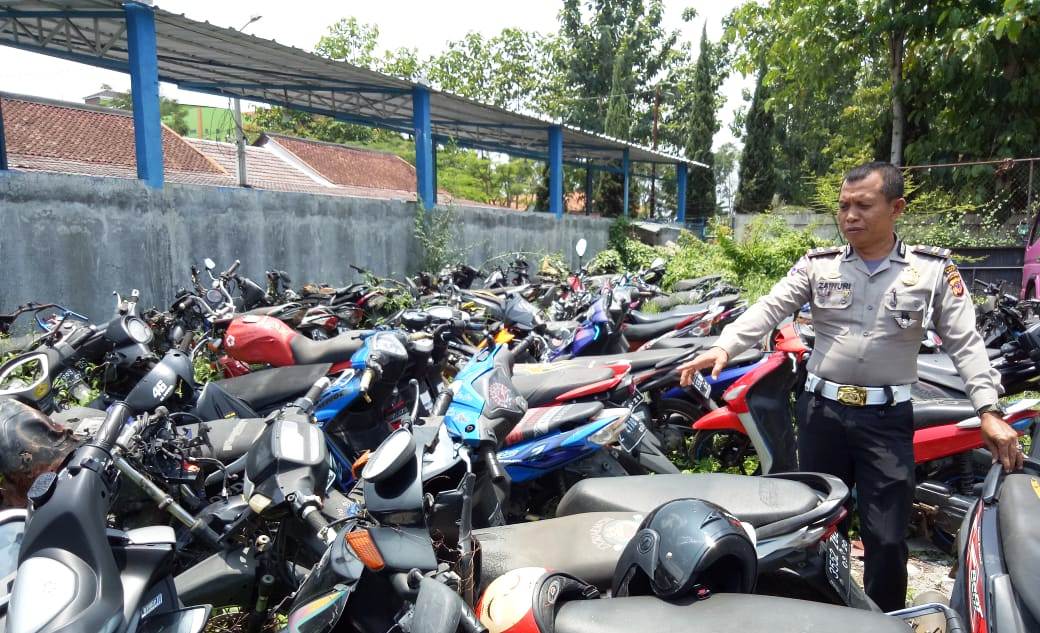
715, 358
1001, 440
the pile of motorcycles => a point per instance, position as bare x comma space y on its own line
466, 451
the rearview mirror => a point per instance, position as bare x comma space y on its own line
580, 247
209, 263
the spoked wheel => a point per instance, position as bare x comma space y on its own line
725, 452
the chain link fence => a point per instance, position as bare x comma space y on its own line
974, 204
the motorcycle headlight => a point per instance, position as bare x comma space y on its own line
138, 330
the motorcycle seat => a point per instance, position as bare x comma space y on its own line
639, 361
541, 389
690, 284
561, 329
334, 350
1018, 515
540, 421
720, 612
636, 316
746, 357
929, 413
267, 387
646, 331
685, 342
586, 545
950, 383
755, 500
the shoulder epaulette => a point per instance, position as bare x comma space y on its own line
931, 251
826, 250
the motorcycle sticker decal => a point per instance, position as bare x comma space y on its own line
613, 534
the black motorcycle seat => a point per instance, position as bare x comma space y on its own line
942, 363
720, 612
639, 361
541, 389
646, 331
929, 413
1018, 515
586, 545
951, 383
334, 350
540, 421
559, 329
686, 342
690, 284
746, 357
636, 316
756, 500
267, 387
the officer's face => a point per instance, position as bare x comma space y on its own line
867, 219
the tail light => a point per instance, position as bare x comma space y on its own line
833, 527
330, 323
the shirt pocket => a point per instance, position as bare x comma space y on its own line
904, 316
831, 302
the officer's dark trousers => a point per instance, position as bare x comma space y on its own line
870, 448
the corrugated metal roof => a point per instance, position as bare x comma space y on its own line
207, 58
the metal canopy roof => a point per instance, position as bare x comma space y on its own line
206, 58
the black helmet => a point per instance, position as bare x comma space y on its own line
683, 545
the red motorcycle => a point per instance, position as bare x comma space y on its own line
756, 421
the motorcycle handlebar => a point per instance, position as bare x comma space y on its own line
315, 520
306, 402
108, 433
232, 269
490, 457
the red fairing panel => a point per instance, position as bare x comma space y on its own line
260, 339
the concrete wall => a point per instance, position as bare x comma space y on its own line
823, 224
75, 239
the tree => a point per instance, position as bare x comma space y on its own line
726, 160
350, 41
757, 178
173, 114
702, 124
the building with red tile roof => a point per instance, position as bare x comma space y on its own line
347, 166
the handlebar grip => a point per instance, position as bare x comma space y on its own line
315, 520
232, 269
441, 404
306, 402
490, 457
79, 335
469, 622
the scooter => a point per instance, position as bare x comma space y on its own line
996, 588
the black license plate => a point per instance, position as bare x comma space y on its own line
700, 384
633, 433
837, 554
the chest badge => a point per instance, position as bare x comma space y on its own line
910, 276
904, 321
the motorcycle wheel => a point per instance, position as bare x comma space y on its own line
724, 452
673, 423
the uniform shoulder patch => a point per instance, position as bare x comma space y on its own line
826, 250
931, 251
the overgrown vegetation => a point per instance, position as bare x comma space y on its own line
437, 232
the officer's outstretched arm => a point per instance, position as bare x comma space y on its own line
955, 322
789, 294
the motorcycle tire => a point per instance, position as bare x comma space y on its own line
673, 423
724, 451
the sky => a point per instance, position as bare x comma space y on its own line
426, 26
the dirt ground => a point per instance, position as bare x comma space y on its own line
928, 570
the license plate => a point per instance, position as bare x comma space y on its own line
700, 384
836, 558
633, 433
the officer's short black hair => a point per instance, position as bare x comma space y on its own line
891, 177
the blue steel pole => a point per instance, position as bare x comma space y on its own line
556, 170
144, 89
426, 190
625, 167
680, 192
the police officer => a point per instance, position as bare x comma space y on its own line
871, 301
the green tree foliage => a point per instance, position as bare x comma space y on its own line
172, 113
757, 176
727, 158
917, 82
703, 103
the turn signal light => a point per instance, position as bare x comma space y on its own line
361, 542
